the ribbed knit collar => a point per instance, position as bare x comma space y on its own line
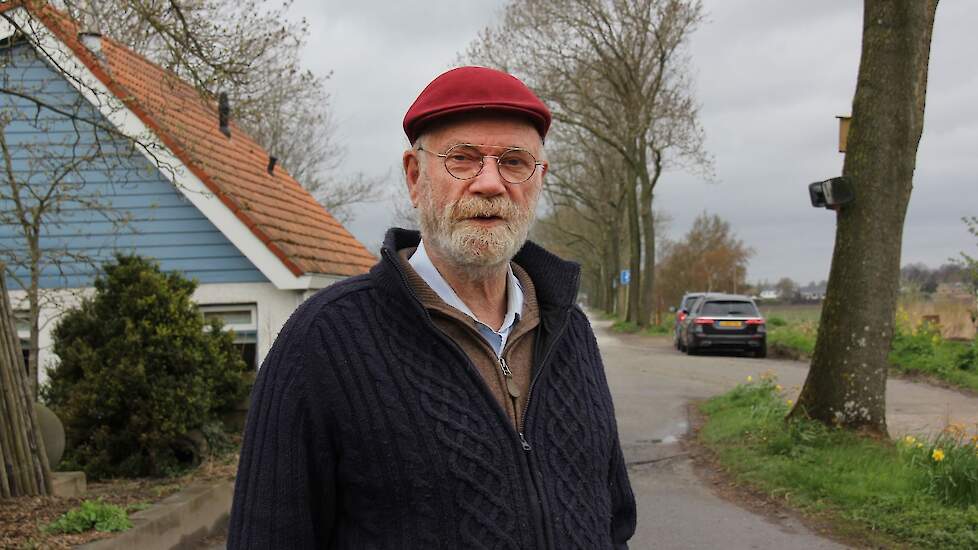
556, 280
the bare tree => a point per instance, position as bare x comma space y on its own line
846, 385
617, 70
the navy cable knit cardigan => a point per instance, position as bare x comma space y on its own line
369, 428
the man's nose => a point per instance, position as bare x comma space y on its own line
488, 183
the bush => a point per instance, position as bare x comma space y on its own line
776, 322
140, 369
91, 514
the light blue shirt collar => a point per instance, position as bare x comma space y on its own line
421, 263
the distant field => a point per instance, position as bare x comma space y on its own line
953, 314
793, 313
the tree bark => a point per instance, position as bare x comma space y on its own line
846, 385
25, 469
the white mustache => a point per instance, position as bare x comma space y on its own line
483, 208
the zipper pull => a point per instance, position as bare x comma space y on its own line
511, 387
526, 446
505, 368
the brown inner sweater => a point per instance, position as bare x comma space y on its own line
517, 354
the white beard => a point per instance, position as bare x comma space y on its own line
475, 248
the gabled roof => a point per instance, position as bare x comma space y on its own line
282, 215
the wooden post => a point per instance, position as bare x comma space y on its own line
25, 465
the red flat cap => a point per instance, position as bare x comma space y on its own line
471, 89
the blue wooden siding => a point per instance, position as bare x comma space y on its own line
117, 200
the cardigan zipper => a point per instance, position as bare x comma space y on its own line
543, 510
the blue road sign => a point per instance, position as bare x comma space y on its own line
626, 276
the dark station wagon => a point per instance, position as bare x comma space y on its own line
724, 322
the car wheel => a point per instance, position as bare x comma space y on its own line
761, 352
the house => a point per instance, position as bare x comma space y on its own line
171, 179
769, 294
813, 292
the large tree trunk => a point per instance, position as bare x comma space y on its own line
846, 385
25, 469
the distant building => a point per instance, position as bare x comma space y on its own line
206, 200
769, 294
813, 292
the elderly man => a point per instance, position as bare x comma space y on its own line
454, 396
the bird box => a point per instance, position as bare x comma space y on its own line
843, 132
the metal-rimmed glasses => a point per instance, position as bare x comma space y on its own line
464, 161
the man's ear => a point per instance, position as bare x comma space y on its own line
412, 173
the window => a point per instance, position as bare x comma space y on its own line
243, 320
730, 309
22, 320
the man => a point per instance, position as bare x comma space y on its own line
454, 396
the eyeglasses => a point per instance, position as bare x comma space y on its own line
464, 161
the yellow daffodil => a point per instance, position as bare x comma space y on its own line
910, 440
937, 455
750, 378
920, 445
778, 387
790, 402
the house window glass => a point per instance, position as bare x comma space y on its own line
243, 320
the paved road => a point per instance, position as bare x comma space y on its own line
652, 383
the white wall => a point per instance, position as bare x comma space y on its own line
274, 308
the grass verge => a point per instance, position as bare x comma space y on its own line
874, 490
915, 351
629, 327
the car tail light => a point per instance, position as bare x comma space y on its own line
704, 321
755, 321
682, 316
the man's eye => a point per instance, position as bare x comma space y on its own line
459, 157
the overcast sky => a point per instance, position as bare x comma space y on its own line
770, 76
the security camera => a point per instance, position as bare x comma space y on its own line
831, 193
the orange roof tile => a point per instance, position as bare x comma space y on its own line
283, 215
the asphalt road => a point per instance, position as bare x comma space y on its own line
652, 384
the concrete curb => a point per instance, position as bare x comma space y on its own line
178, 521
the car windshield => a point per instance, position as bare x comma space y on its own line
729, 309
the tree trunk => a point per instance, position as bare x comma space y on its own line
25, 465
846, 385
635, 255
648, 237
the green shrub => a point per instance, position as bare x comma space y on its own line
776, 322
139, 369
91, 514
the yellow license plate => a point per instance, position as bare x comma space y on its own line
731, 324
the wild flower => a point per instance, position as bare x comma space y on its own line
750, 378
909, 440
937, 455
